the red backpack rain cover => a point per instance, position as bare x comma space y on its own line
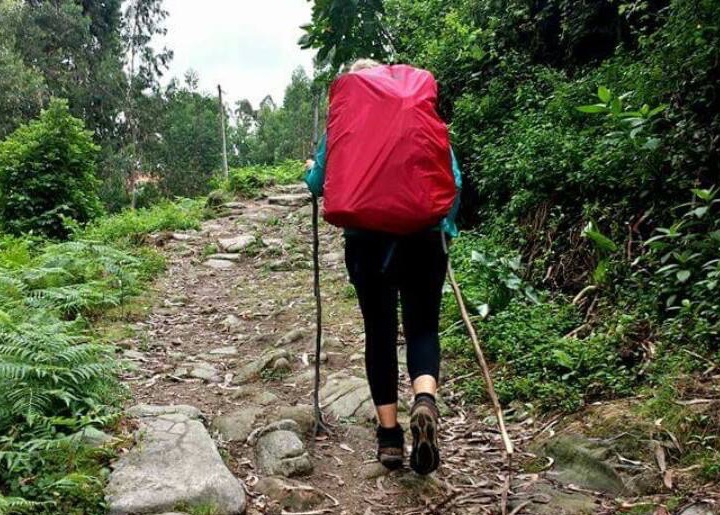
388, 162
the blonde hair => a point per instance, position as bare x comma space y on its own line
363, 64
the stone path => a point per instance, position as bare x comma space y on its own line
231, 337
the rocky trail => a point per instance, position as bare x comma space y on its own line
221, 379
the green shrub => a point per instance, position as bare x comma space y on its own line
47, 175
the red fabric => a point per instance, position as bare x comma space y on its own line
388, 164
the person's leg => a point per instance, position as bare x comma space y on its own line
366, 258
424, 262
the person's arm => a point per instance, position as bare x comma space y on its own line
448, 224
315, 178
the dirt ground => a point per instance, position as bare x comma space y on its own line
266, 294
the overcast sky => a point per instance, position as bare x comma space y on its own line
248, 46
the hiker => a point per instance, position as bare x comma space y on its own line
387, 263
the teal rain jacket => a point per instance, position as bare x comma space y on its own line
315, 180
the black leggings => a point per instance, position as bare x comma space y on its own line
383, 267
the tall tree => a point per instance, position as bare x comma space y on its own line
188, 149
22, 88
75, 46
143, 21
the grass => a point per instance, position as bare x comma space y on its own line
132, 226
249, 181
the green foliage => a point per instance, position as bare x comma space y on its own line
578, 128
47, 175
491, 278
683, 264
133, 225
342, 31
527, 339
250, 180
187, 145
21, 87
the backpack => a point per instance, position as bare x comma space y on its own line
388, 165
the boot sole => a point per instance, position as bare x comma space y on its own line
425, 457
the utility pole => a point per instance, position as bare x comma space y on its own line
316, 117
222, 129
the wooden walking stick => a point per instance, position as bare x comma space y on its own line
481, 360
488, 382
319, 426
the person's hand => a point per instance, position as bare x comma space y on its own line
309, 164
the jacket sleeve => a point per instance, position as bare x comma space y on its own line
315, 178
448, 224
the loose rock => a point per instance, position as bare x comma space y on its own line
291, 495
219, 264
282, 453
302, 414
237, 243
374, 470
290, 337
282, 365
226, 257
280, 425
204, 371
236, 426
253, 369
290, 200
254, 396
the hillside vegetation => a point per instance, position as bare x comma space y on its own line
587, 133
589, 136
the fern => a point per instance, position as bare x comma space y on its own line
55, 378
9, 505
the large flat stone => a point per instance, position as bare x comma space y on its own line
578, 461
175, 463
557, 502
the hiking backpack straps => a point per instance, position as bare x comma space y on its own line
388, 152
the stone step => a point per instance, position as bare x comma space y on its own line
289, 200
296, 188
175, 463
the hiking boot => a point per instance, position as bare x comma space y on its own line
391, 444
425, 456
